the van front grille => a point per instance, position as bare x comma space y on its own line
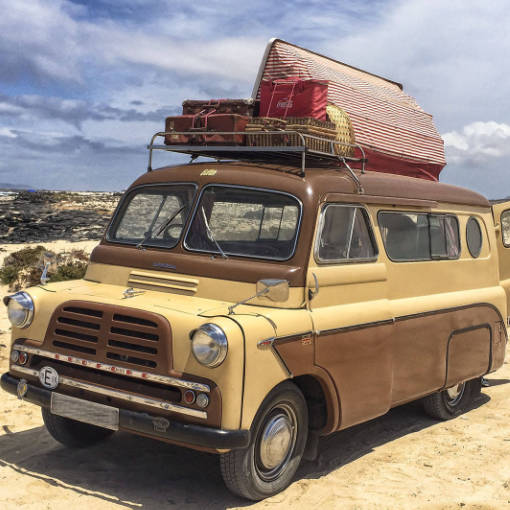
131, 337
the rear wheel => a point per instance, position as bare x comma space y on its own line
72, 433
278, 439
453, 401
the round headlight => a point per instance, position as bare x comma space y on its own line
20, 309
209, 345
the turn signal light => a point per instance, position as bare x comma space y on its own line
189, 397
14, 356
23, 358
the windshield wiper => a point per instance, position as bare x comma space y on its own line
210, 234
166, 224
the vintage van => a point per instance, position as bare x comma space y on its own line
246, 308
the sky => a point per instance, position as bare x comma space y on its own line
85, 83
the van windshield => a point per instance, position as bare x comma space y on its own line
153, 216
245, 222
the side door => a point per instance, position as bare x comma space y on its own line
501, 214
351, 315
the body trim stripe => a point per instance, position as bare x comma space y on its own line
160, 404
136, 374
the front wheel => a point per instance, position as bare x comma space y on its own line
453, 401
278, 439
72, 433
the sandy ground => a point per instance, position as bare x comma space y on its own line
403, 460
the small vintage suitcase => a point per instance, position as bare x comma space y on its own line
237, 106
225, 122
202, 128
182, 123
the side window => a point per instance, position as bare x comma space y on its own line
344, 235
474, 237
419, 236
444, 236
505, 227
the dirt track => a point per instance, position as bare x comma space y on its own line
400, 461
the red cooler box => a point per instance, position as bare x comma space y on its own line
293, 97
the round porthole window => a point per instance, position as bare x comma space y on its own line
474, 237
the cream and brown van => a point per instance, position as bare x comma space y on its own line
248, 308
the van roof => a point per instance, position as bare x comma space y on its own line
317, 183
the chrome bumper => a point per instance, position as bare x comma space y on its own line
143, 423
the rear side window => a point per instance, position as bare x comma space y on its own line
344, 235
505, 227
474, 237
419, 236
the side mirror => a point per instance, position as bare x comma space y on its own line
273, 289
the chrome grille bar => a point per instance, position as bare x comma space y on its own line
136, 374
121, 395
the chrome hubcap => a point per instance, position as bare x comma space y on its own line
276, 442
455, 393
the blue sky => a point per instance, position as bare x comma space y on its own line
85, 83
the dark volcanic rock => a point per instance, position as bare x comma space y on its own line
48, 216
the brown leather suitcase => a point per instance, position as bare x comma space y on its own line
236, 106
202, 128
225, 122
183, 123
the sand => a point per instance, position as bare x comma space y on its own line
403, 460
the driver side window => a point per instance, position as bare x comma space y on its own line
345, 235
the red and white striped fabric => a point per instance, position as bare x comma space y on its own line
396, 134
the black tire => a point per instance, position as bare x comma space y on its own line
72, 433
447, 404
248, 472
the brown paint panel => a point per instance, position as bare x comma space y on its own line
109, 319
360, 363
379, 366
499, 341
298, 355
468, 354
196, 264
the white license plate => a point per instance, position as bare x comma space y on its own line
85, 411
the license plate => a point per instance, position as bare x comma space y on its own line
85, 411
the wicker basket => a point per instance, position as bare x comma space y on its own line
266, 124
313, 127
344, 131
305, 125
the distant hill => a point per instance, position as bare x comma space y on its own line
5, 186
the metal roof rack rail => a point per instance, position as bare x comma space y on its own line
295, 155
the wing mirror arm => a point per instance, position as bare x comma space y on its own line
273, 289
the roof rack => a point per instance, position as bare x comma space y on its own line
295, 155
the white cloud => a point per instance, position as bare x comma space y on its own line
8, 133
477, 142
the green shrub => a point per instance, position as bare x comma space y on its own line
23, 268
8, 275
69, 271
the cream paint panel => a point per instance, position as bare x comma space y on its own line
356, 313
409, 306
228, 376
264, 370
503, 251
208, 288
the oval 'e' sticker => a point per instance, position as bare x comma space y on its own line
48, 377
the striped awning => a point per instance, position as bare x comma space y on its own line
385, 119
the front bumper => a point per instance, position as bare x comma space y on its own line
143, 423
